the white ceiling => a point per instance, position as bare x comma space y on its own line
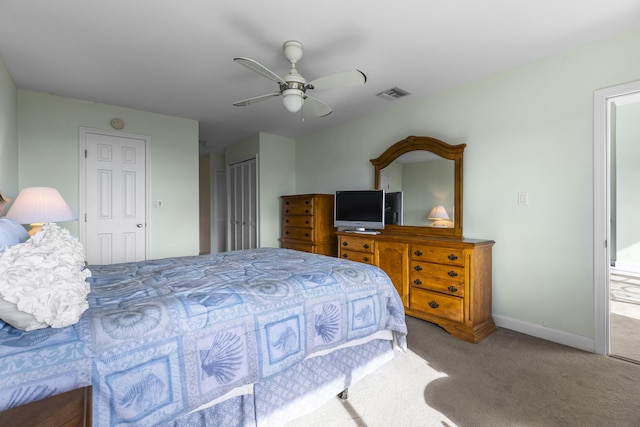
176, 57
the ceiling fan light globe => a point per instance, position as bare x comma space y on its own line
292, 100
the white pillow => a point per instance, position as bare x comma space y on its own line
43, 281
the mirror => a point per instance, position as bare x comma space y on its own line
426, 174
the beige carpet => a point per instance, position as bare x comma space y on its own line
508, 379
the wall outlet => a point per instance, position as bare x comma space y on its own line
158, 203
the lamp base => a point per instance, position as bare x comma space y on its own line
35, 227
442, 223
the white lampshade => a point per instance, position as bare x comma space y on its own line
292, 100
438, 212
39, 205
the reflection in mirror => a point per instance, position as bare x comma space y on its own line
423, 180
426, 182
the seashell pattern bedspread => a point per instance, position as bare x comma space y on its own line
162, 337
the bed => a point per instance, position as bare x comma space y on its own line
253, 338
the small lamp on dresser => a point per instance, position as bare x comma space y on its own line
38, 205
439, 217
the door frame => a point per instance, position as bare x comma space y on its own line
602, 208
82, 180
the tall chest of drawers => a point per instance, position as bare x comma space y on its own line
307, 224
444, 281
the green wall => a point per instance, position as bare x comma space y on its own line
527, 129
8, 135
277, 172
48, 128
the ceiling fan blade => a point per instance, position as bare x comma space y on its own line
318, 108
260, 69
255, 99
342, 79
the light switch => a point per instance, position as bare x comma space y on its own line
523, 198
158, 203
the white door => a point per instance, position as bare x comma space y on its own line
243, 202
114, 196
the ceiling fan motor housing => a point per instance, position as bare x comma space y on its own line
292, 51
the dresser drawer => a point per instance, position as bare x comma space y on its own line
445, 306
297, 233
356, 243
436, 254
303, 247
364, 257
298, 220
443, 286
437, 272
297, 206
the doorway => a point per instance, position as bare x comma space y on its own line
113, 196
616, 235
242, 207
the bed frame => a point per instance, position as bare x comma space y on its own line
70, 409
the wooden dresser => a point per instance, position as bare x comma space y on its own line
307, 224
446, 281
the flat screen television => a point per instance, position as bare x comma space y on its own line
359, 210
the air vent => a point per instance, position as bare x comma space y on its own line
393, 93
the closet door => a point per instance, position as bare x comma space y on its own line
243, 205
220, 212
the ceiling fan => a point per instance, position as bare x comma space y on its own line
293, 87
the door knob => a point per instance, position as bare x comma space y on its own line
139, 225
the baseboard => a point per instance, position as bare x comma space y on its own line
554, 335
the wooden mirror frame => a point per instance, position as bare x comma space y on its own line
442, 149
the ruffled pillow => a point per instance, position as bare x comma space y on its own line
43, 281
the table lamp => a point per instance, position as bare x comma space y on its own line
439, 217
38, 205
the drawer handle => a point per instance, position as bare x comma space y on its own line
306, 234
286, 232
287, 221
434, 304
417, 268
286, 210
306, 202
345, 243
306, 211
345, 256
418, 282
452, 257
453, 288
418, 253
366, 259
306, 222
452, 273
366, 246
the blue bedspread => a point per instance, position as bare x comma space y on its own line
163, 337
